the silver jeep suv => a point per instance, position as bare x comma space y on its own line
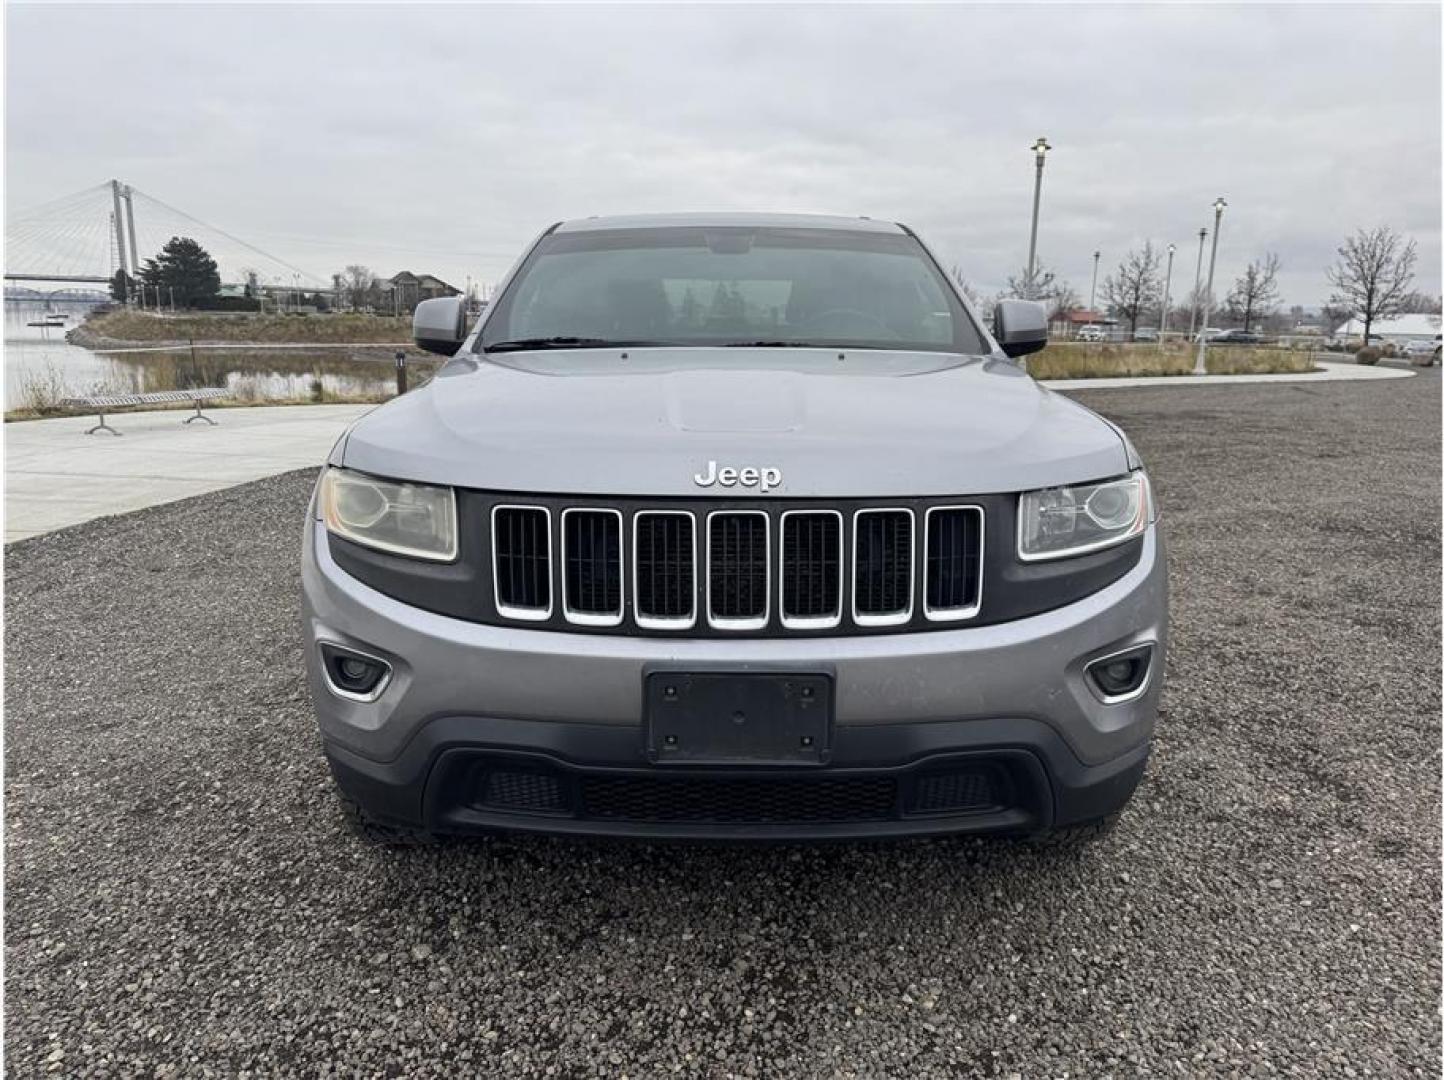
726, 526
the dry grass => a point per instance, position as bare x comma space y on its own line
1072, 360
143, 328
241, 401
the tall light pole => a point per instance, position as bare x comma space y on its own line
1040, 149
1093, 292
1197, 284
1167, 287
1199, 368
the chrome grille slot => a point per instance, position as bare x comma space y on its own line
739, 577
811, 569
521, 561
882, 575
664, 569
592, 566
954, 543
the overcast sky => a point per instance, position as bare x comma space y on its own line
443, 138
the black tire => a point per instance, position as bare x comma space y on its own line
1075, 836
379, 833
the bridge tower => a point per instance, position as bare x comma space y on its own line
130, 230
119, 220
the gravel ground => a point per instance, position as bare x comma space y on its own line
182, 897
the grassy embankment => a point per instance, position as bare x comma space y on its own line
116, 329
1074, 360
45, 388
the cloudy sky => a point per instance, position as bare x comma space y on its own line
443, 138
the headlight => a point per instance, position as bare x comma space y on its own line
405, 519
1057, 522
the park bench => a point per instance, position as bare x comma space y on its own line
102, 402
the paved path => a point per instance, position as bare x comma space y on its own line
57, 476
1329, 371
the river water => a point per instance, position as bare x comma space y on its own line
41, 366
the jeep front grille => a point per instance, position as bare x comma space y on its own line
737, 569
738, 577
882, 567
664, 560
954, 548
521, 553
811, 569
592, 566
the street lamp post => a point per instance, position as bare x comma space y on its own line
1167, 287
1093, 292
1199, 367
1197, 284
1040, 149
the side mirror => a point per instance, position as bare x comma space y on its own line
439, 325
1021, 326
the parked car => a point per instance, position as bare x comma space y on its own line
1423, 351
733, 526
1145, 333
1092, 332
1236, 337
1210, 333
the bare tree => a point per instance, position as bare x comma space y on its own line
969, 289
1040, 288
1256, 291
1062, 301
1133, 287
359, 281
1417, 303
1373, 275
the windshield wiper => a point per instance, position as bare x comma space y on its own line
526, 344
778, 345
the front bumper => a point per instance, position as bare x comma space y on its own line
1001, 713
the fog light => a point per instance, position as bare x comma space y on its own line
1121, 676
354, 675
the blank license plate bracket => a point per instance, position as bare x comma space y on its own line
727, 718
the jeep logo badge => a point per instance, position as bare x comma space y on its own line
765, 477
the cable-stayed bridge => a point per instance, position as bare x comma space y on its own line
85, 237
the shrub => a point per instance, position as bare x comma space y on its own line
1369, 354
1390, 349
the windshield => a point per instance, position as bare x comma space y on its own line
730, 286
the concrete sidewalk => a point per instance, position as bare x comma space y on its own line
56, 475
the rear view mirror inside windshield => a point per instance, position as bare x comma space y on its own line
729, 241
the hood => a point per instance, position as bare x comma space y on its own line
863, 425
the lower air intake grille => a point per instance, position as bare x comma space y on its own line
883, 572
664, 569
535, 791
958, 792
522, 560
737, 577
592, 542
696, 799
